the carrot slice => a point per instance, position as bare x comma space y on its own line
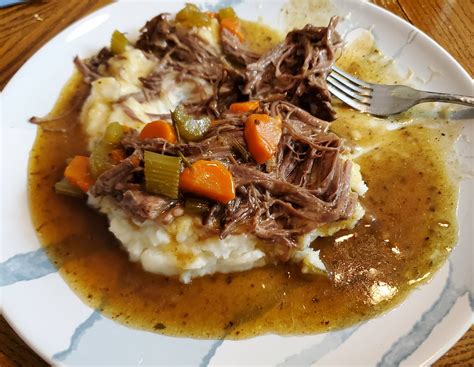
78, 174
242, 107
262, 134
159, 129
233, 25
210, 179
117, 155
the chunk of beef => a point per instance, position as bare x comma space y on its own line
145, 206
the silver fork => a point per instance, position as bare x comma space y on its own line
384, 100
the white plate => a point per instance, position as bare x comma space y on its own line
63, 330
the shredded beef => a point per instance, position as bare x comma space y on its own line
177, 46
183, 52
235, 50
91, 68
106, 183
297, 69
179, 50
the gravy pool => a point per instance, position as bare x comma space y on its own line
408, 231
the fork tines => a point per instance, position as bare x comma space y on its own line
355, 92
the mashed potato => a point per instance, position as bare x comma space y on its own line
181, 248
114, 98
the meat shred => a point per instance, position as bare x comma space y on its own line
297, 69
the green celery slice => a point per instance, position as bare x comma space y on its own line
162, 174
191, 16
63, 187
189, 128
113, 133
118, 43
99, 160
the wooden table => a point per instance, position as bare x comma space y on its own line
25, 28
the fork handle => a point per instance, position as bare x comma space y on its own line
449, 98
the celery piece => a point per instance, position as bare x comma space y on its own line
185, 160
189, 128
162, 174
63, 187
118, 42
113, 133
100, 160
226, 13
190, 16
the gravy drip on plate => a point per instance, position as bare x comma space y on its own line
407, 233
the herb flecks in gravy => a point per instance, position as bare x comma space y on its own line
407, 233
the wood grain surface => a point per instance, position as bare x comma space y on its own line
25, 28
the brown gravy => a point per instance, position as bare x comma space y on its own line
407, 233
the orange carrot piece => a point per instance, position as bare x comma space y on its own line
233, 25
78, 174
117, 155
210, 179
159, 129
242, 107
262, 134
134, 160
